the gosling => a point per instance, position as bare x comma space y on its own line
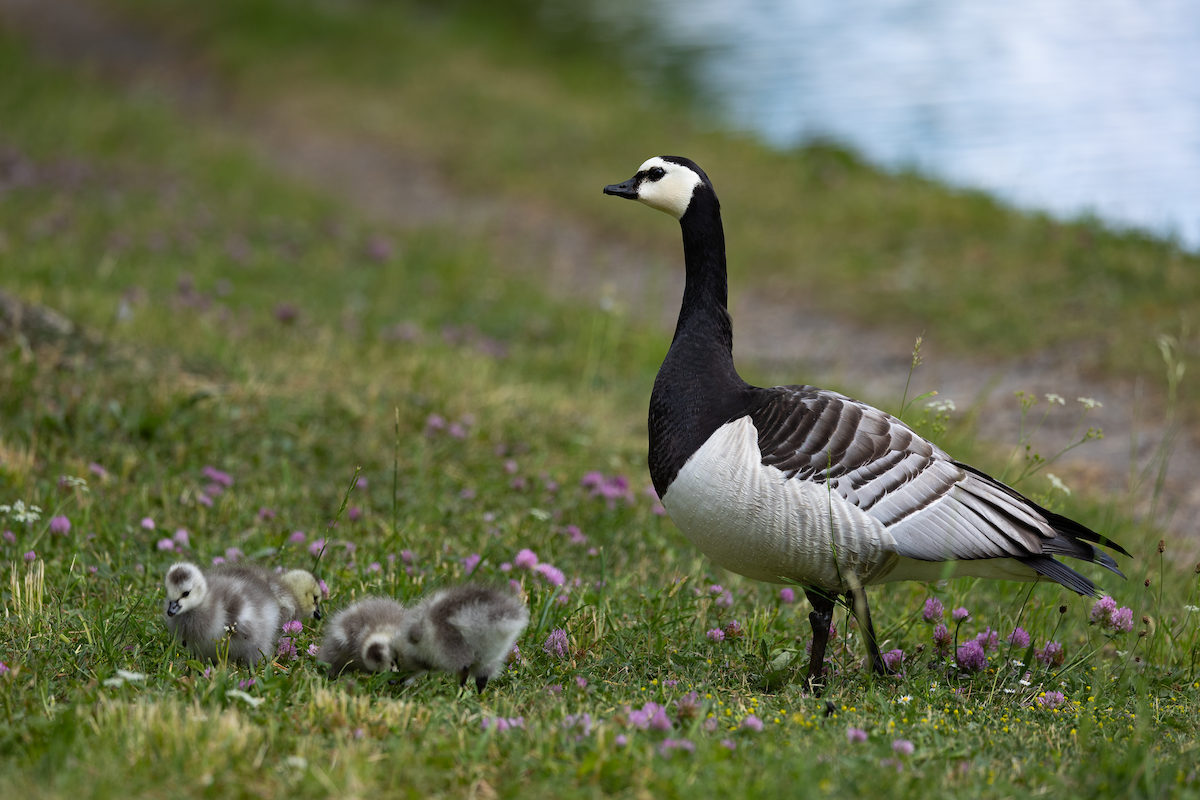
301, 595
360, 637
468, 630
203, 609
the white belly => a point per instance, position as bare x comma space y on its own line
752, 520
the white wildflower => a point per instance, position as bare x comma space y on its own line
538, 513
250, 699
1192, 609
73, 482
1057, 483
132, 677
297, 762
20, 513
904, 699
941, 406
1089, 403
1055, 398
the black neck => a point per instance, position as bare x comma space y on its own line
697, 389
704, 311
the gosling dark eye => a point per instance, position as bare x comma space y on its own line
185, 594
655, 173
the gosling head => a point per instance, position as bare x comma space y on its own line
667, 183
378, 654
186, 588
307, 591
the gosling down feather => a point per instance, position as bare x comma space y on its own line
360, 637
799, 484
467, 630
204, 608
297, 590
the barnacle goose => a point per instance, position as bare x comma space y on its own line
360, 637
204, 608
799, 484
468, 630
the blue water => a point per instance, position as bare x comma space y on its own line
1068, 106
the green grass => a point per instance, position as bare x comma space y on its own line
504, 106
171, 377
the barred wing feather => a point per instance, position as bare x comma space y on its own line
935, 508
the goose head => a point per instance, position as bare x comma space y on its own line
668, 183
307, 591
186, 588
378, 654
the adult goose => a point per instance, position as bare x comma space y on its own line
799, 484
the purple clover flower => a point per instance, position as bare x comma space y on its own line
1103, 610
1052, 654
60, 525
902, 747
1019, 638
502, 724
551, 574
934, 610
526, 559
316, 548
286, 649
787, 595
147, 524
30, 557
990, 640
470, 563
752, 723
942, 639
971, 656
1051, 700
293, 627
181, 538
1122, 621
669, 746
716, 635
218, 477
166, 545
893, 659
856, 735
959, 614
556, 644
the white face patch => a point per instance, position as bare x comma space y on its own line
188, 590
672, 192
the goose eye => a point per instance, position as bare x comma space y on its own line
655, 173
185, 594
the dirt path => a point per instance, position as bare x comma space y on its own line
794, 341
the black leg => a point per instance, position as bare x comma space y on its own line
820, 619
481, 682
862, 612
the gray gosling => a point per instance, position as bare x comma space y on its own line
468, 630
238, 603
359, 637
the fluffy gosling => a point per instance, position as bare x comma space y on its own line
204, 608
302, 596
468, 630
360, 637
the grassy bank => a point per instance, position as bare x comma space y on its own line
505, 106
250, 348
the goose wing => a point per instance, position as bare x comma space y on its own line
935, 508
